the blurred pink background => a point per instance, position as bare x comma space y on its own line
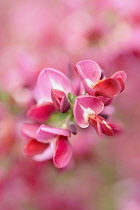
104, 174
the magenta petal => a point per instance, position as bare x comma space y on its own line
57, 96
46, 133
82, 105
34, 147
108, 87
89, 72
50, 79
41, 113
64, 105
62, 152
29, 130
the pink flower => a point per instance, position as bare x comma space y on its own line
50, 93
45, 142
90, 74
86, 110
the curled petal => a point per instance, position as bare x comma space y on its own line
96, 126
46, 155
89, 72
29, 130
50, 79
121, 77
85, 106
108, 87
57, 96
106, 129
46, 133
101, 126
65, 105
117, 129
62, 152
60, 101
34, 147
40, 113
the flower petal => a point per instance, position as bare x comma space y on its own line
108, 87
46, 133
62, 152
89, 72
82, 105
29, 130
64, 105
40, 113
50, 78
121, 77
46, 155
34, 147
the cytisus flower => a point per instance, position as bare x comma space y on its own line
59, 110
91, 76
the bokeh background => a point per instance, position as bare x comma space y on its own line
104, 174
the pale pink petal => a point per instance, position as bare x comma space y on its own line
40, 113
86, 105
121, 74
108, 87
50, 79
29, 130
34, 147
62, 152
46, 133
46, 155
89, 72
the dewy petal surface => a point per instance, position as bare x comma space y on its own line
46, 133
108, 87
62, 152
86, 105
40, 113
30, 129
89, 72
50, 79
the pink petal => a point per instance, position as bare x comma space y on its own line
108, 87
88, 70
29, 130
105, 100
121, 74
40, 113
46, 155
46, 133
64, 105
101, 126
117, 129
62, 153
96, 126
57, 96
34, 147
106, 129
50, 79
121, 77
86, 102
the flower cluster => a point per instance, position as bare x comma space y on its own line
60, 105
